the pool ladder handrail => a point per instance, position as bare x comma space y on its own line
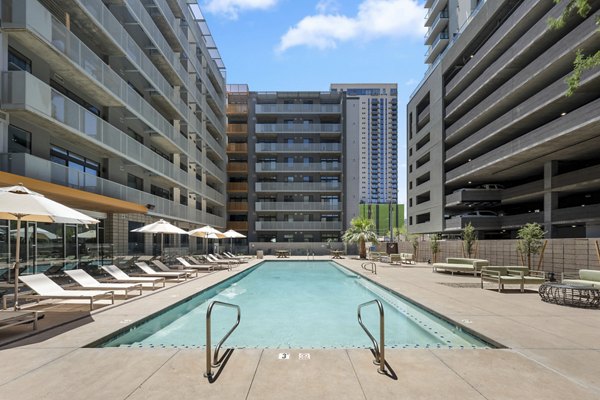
371, 264
216, 362
378, 348
308, 255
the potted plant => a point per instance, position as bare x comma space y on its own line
361, 231
530, 240
469, 239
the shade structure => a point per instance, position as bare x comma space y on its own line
206, 232
161, 226
18, 203
231, 234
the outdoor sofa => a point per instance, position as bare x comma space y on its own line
511, 275
585, 277
470, 265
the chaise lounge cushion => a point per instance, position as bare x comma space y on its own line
453, 264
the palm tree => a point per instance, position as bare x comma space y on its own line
362, 230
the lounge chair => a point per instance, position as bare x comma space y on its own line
46, 288
122, 277
223, 257
12, 318
160, 265
148, 271
186, 264
230, 255
213, 258
87, 281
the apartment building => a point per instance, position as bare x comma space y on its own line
117, 109
295, 174
238, 208
371, 150
492, 138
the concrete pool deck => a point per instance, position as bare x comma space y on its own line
553, 352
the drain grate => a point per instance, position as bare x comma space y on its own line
461, 285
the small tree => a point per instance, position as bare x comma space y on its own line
469, 238
414, 242
361, 231
530, 240
434, 244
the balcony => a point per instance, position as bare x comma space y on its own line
237, 109
240, 226
298, 148
298, 167
237, 129
297, 207
299, 128
237, 167
237, 187
37, 168
438, 6
440, 22
297, 226
466, 196
298, 187
237, 148
214, 170
24, 93
237, 206
213, 195
298, 109
437, 46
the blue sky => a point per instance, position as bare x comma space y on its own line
275, 45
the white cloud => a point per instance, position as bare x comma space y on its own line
411, 82
327, 6
374, 19
232, 8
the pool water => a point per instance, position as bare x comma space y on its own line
296, 304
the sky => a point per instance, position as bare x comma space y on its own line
305, 45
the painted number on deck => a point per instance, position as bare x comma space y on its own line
284, 356
304, 356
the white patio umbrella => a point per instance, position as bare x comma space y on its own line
231, 234
18, 203
204, 232
161, 226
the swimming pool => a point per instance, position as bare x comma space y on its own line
296, 304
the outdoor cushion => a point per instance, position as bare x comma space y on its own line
581, 282
589, 275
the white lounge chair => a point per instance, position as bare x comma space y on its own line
186, 264
212, 257
46, 288
88, 282
148, 271
121, 276
230, 255
221, 264
163, 267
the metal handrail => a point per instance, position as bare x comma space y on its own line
215, 362
379, 349
371, 264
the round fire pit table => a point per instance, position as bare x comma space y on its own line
570, 295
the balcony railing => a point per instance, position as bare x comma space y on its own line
237, 167
237, 129
297, 206
298, 187
237, 187
287, 167
297, 226
22, 90
37, 168
238, 225
237, 206
298, 148
237, 109
298, 128
237, 148
298, 109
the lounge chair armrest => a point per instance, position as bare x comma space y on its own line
569, 275
490, 273
512, 272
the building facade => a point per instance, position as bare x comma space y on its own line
492, 138
117, 109
371, 151
296, 172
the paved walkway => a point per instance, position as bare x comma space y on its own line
552, 352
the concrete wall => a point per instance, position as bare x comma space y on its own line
560, 254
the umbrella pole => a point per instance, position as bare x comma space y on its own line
162, 243
17, 266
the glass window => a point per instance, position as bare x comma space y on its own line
135, 239
19, 140
17, 61
135, 182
